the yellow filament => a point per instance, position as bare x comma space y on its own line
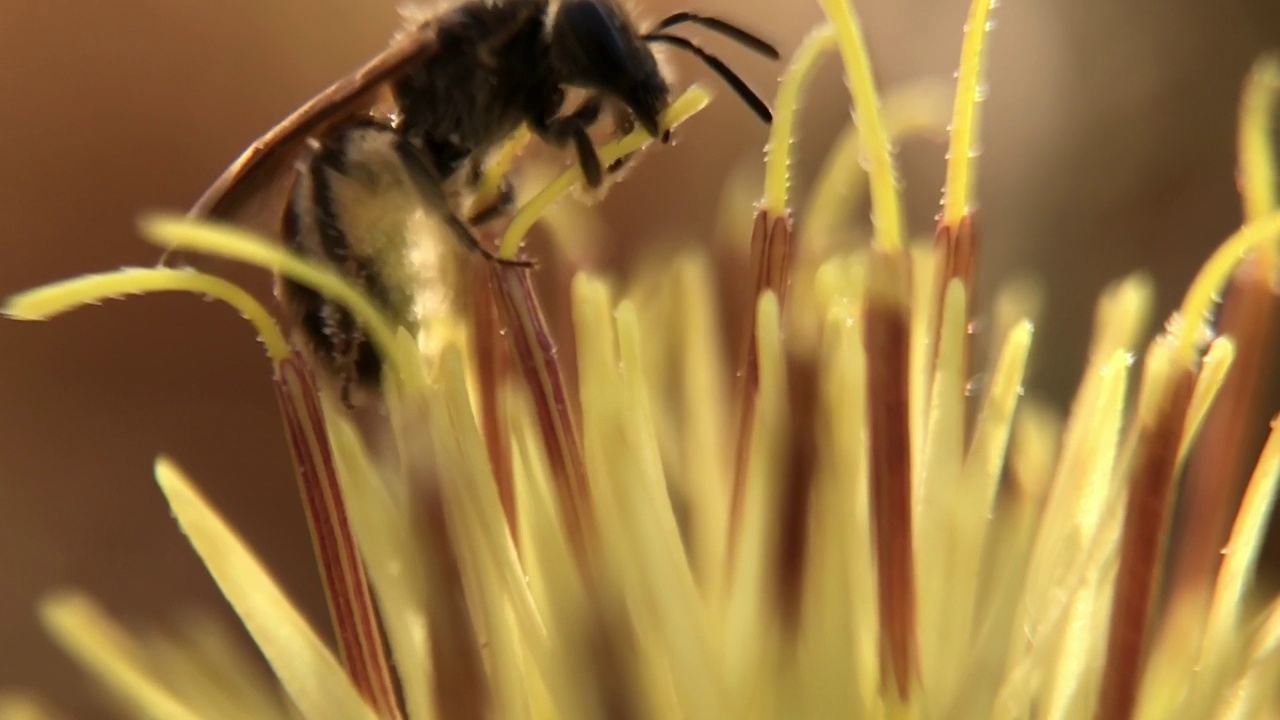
499, 166
498, 590
750, 629
1213, 275
847, 638
778, 153
986, 455
974, 503
49, 301
684, 107
1240, 556
1070, 524
1217, 362
886, 204
915, 110
840, 180
934, 490
574, 231
643, 508
962, 165
702, 398
178, 232
1257, 161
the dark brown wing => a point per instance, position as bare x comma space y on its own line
258, 178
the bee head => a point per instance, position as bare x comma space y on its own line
594, 44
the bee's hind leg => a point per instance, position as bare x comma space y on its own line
502, 203
430, 189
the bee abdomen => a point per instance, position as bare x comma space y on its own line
335, 339
327, 218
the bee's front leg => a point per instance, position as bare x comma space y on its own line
560, 131
624, 122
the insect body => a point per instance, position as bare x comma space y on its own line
459, 83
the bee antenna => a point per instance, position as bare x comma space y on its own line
724, 27
753, 101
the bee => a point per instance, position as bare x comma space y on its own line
405, 134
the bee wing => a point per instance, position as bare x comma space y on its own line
256, 183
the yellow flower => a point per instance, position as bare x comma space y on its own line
818, 527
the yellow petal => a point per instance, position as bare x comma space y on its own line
308, 671
103, 648
386, 544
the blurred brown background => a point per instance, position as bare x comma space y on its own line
1108, 147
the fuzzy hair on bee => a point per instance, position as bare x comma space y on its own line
375, 165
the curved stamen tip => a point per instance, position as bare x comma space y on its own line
1208, 284
962, 155
787, 105
495, 173
233, 243
886, 200
683, 108
1256, 151
49, 301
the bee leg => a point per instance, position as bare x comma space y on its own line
431, 190
624, 122
573, 128
620, 164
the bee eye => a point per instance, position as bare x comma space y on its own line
594, 40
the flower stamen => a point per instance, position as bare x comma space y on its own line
233, 243
1169, 387
919, 109
886, 333
684, 107
962, 152
886, 200
777, 159
49, 301
956, 237
1217, 474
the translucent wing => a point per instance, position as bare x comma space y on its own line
253, 188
